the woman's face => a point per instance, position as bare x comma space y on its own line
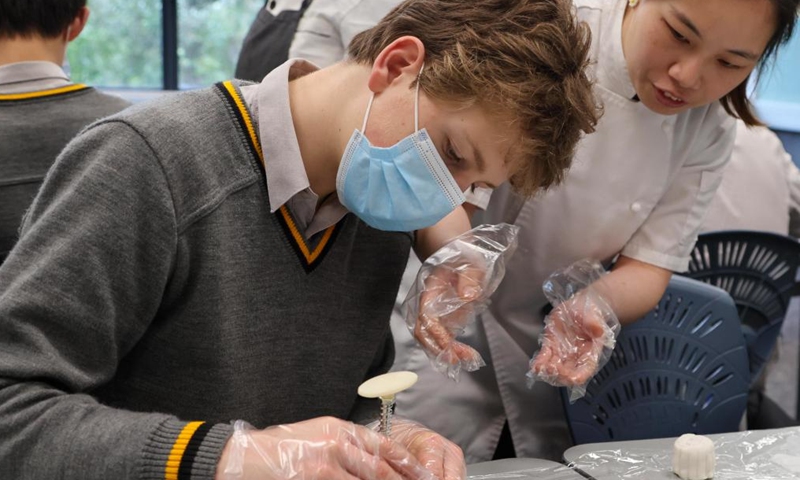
683, 54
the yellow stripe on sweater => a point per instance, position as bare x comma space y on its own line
248, 123
178, 449
43, 93
310, 256
298, 238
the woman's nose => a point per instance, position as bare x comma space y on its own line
687, 73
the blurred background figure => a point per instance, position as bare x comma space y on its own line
760, 190
760, 187
266, 45
328, 27
41, 109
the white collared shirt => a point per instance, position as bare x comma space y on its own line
22, 77
287, 180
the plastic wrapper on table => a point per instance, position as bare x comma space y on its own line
753, 455
521, 469
452, 287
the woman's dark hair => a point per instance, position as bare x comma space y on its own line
736, 102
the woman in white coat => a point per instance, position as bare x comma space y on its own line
671, 75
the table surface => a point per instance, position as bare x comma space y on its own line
757, 454
521, 469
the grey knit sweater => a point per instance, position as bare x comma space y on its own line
152, 287
34, 128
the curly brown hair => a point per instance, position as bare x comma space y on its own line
522, 60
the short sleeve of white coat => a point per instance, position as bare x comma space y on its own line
318, 37
669, 233
328, 26
793, 180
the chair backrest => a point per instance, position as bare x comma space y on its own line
680, 369
759, 270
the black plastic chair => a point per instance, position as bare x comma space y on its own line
759, 270
681, 369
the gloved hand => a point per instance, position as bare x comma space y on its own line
437, 454
579, 333
323, 448
453, 285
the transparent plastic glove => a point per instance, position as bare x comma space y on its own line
322, 448
452, 286
579, 334
437, 454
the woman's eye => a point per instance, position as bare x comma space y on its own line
727, 64
677, 35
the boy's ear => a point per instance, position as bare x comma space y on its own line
76, 25
400, 61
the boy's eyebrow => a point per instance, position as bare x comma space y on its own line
480, 162
478, 156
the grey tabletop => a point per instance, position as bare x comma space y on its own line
521, 469
755, 454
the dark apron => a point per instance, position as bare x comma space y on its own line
267, 43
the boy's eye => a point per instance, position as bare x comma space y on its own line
450, 151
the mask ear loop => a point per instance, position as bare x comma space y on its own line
416, 105
416, 99
366, 114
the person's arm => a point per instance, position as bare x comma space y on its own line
793, 181
576, 332
457, 222
318, 38
668, 234
633, 288
79, 290
361, 15
430, 239
328, 27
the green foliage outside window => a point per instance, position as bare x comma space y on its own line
121, 45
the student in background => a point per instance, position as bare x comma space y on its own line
760, 187
234, 252
41, 109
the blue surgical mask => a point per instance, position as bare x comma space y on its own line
401, 188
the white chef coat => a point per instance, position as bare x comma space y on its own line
639, 186
328, 26
760, 187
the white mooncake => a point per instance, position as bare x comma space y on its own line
693, 457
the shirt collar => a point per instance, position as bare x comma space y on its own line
269, 104
612, 67
31, 76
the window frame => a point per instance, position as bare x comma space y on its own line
169, 50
